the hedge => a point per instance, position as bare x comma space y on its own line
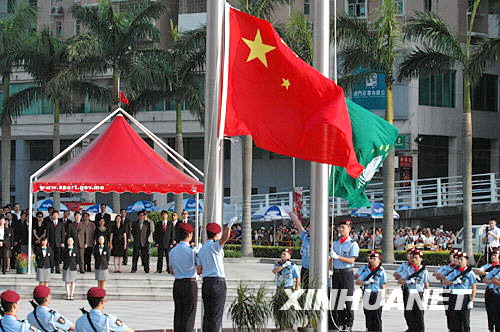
430, 257
227, 253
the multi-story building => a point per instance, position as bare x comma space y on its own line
428, 110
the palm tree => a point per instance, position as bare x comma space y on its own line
14, 31
113, 40
438, 50
174, 74
369, 48
44, 58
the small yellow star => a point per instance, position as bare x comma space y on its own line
286, 83
387, 147
381, 147
258, 49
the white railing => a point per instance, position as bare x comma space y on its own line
410, 194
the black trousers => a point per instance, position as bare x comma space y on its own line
343, 279
415, 318
304, 277
406, 313
144, 253
88, 259
58, 252
489, 299
162, 252
185, 298
459, 318
373, 318
496, 313
446, 301
4, 255
213, 291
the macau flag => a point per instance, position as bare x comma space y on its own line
373, 138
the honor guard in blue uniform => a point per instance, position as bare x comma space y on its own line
42, 317
9, 301
441, 275
96, 320
304, 248
343, 254
462, 283
372, 279
400, 274
287, 273
486, 272
493, 281
182, 260
210, 265
416, 278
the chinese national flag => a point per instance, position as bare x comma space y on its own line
123, 98
287, 106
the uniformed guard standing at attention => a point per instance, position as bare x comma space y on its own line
441, 275
304, 248
462, 284
96, 320
416, 278
486, 272
45, 319
210, 265
182, 260
493, 280
372, 279
9, 322
400, 275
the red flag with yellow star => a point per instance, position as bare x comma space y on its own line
287, 106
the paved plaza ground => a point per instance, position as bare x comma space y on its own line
144, 313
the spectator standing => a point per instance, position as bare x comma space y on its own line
6, 244
141, 231
492, 238
39, 229
56, 234
21, 232
89, 228
44, 257
102, 214
102, 230
164, 240
118, 242
127, 224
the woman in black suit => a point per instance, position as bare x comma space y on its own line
44, 262
101, 258
71, 257
6, 244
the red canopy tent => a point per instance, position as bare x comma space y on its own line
118, 160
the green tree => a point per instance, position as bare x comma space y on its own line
368, 48
14, 32
437, 49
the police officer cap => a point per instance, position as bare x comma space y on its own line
417, 253
186, 227
454, 251
213, 228
346, 222
96, 292
375, 253
409, 250
41, 291
495, 251
457, 254
288, 251
10, 296
463, 254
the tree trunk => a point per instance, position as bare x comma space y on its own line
179, 147
6, 137
388, 221
467, 171
246, 224
56, 148
115, 197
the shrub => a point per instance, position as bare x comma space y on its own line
22, 260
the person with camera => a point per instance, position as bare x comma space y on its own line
491, 238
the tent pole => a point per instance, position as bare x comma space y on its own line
197, 224
30, 224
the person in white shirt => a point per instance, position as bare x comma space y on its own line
492, 238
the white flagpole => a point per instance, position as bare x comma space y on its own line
213, 194
319, 172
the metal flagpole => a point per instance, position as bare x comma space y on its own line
213, 194
319, 172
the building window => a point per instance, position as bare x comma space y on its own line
432, 156
481, 150
484, 95
428, 5
437, 90
255, 191
58, 28
400, 7
356, 8
307, 7
193, 147
272, 190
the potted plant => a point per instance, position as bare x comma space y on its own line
309, 317
249, 312
285, 320
22, 263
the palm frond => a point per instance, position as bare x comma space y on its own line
487, 54
152, 11
94, 92
352, 58
423, 61
89, 16
297, 34
83, 46
265, 9
140, 101
349, 81
353, 32
22, 100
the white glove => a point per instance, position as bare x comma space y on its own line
287, 263
382, 302
334, 255
411, 281
232, 221
330, 273
457, 282
470, 305
287, 209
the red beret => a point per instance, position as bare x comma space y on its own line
409, 250
288, 251
463, 254
41, 291
10, 296
454, 251
417, 253
495, 251
376, 254
186, 227
96, 292
346, 222
457, 254
214, 228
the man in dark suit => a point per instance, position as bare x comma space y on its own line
56, 235
66, 220
127, 224
47, 218
103, 214
141, 231
164, 239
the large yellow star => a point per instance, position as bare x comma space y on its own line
258, 49
286, 83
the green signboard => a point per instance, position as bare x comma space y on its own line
401, 142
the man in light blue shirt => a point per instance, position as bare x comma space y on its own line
343, 254
489, 271
9, 300
210, 264
96, 320
304, 249
182, 260
44, 318
287, 273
